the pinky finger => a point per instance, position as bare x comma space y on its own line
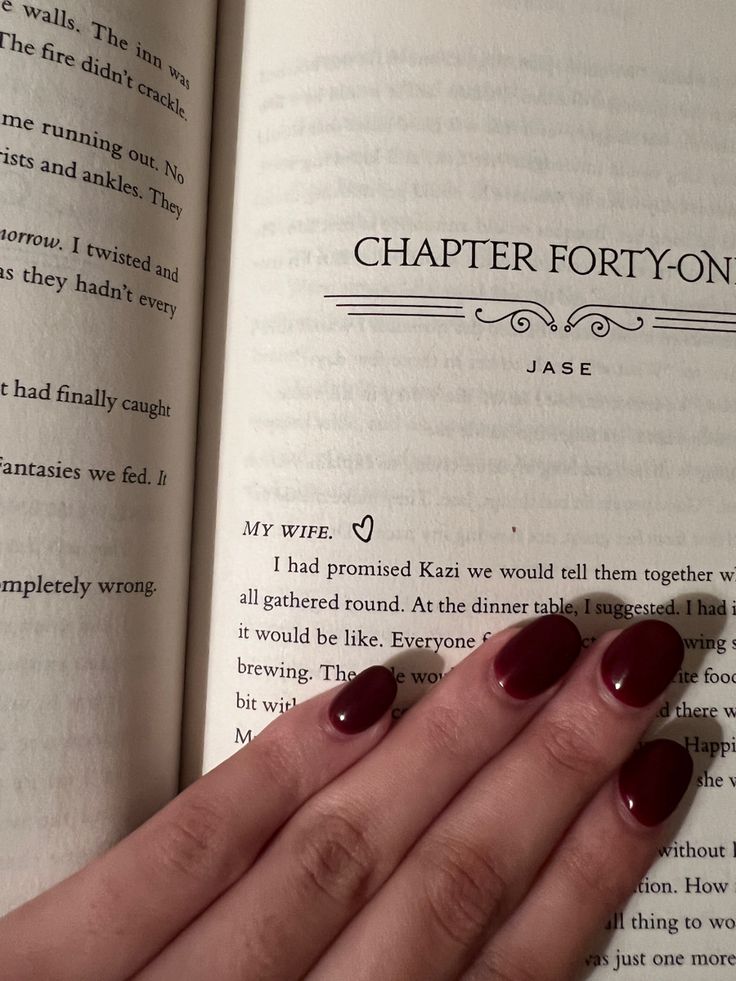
594, 870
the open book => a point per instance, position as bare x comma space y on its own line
436, 301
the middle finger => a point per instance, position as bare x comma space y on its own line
480, 857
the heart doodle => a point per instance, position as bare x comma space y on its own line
364, 529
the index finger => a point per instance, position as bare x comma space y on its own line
114, 916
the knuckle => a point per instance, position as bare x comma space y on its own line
568, 746
255, 957
278, 764
445, 731
191, 841
591, 877
336, 857
463, 890
492, 966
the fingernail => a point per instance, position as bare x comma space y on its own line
538, 656
363, 701
642, 661
653, 781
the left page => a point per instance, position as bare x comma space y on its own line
105, 112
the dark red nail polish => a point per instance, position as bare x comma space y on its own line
642, 661
538, 656
362, 702
653, 781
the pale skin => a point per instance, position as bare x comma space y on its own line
483, 837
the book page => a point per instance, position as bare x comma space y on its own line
479, 368
105, 112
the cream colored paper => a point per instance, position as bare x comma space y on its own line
104, 145
549, 124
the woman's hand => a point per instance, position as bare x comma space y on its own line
488, 835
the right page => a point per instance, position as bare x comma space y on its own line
480, 349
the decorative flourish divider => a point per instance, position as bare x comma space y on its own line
524, 315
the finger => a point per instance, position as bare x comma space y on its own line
342, 846
594, 871
123, 908
474, 865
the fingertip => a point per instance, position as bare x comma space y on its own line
363, 701
654, 780
537, 656
639, 664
